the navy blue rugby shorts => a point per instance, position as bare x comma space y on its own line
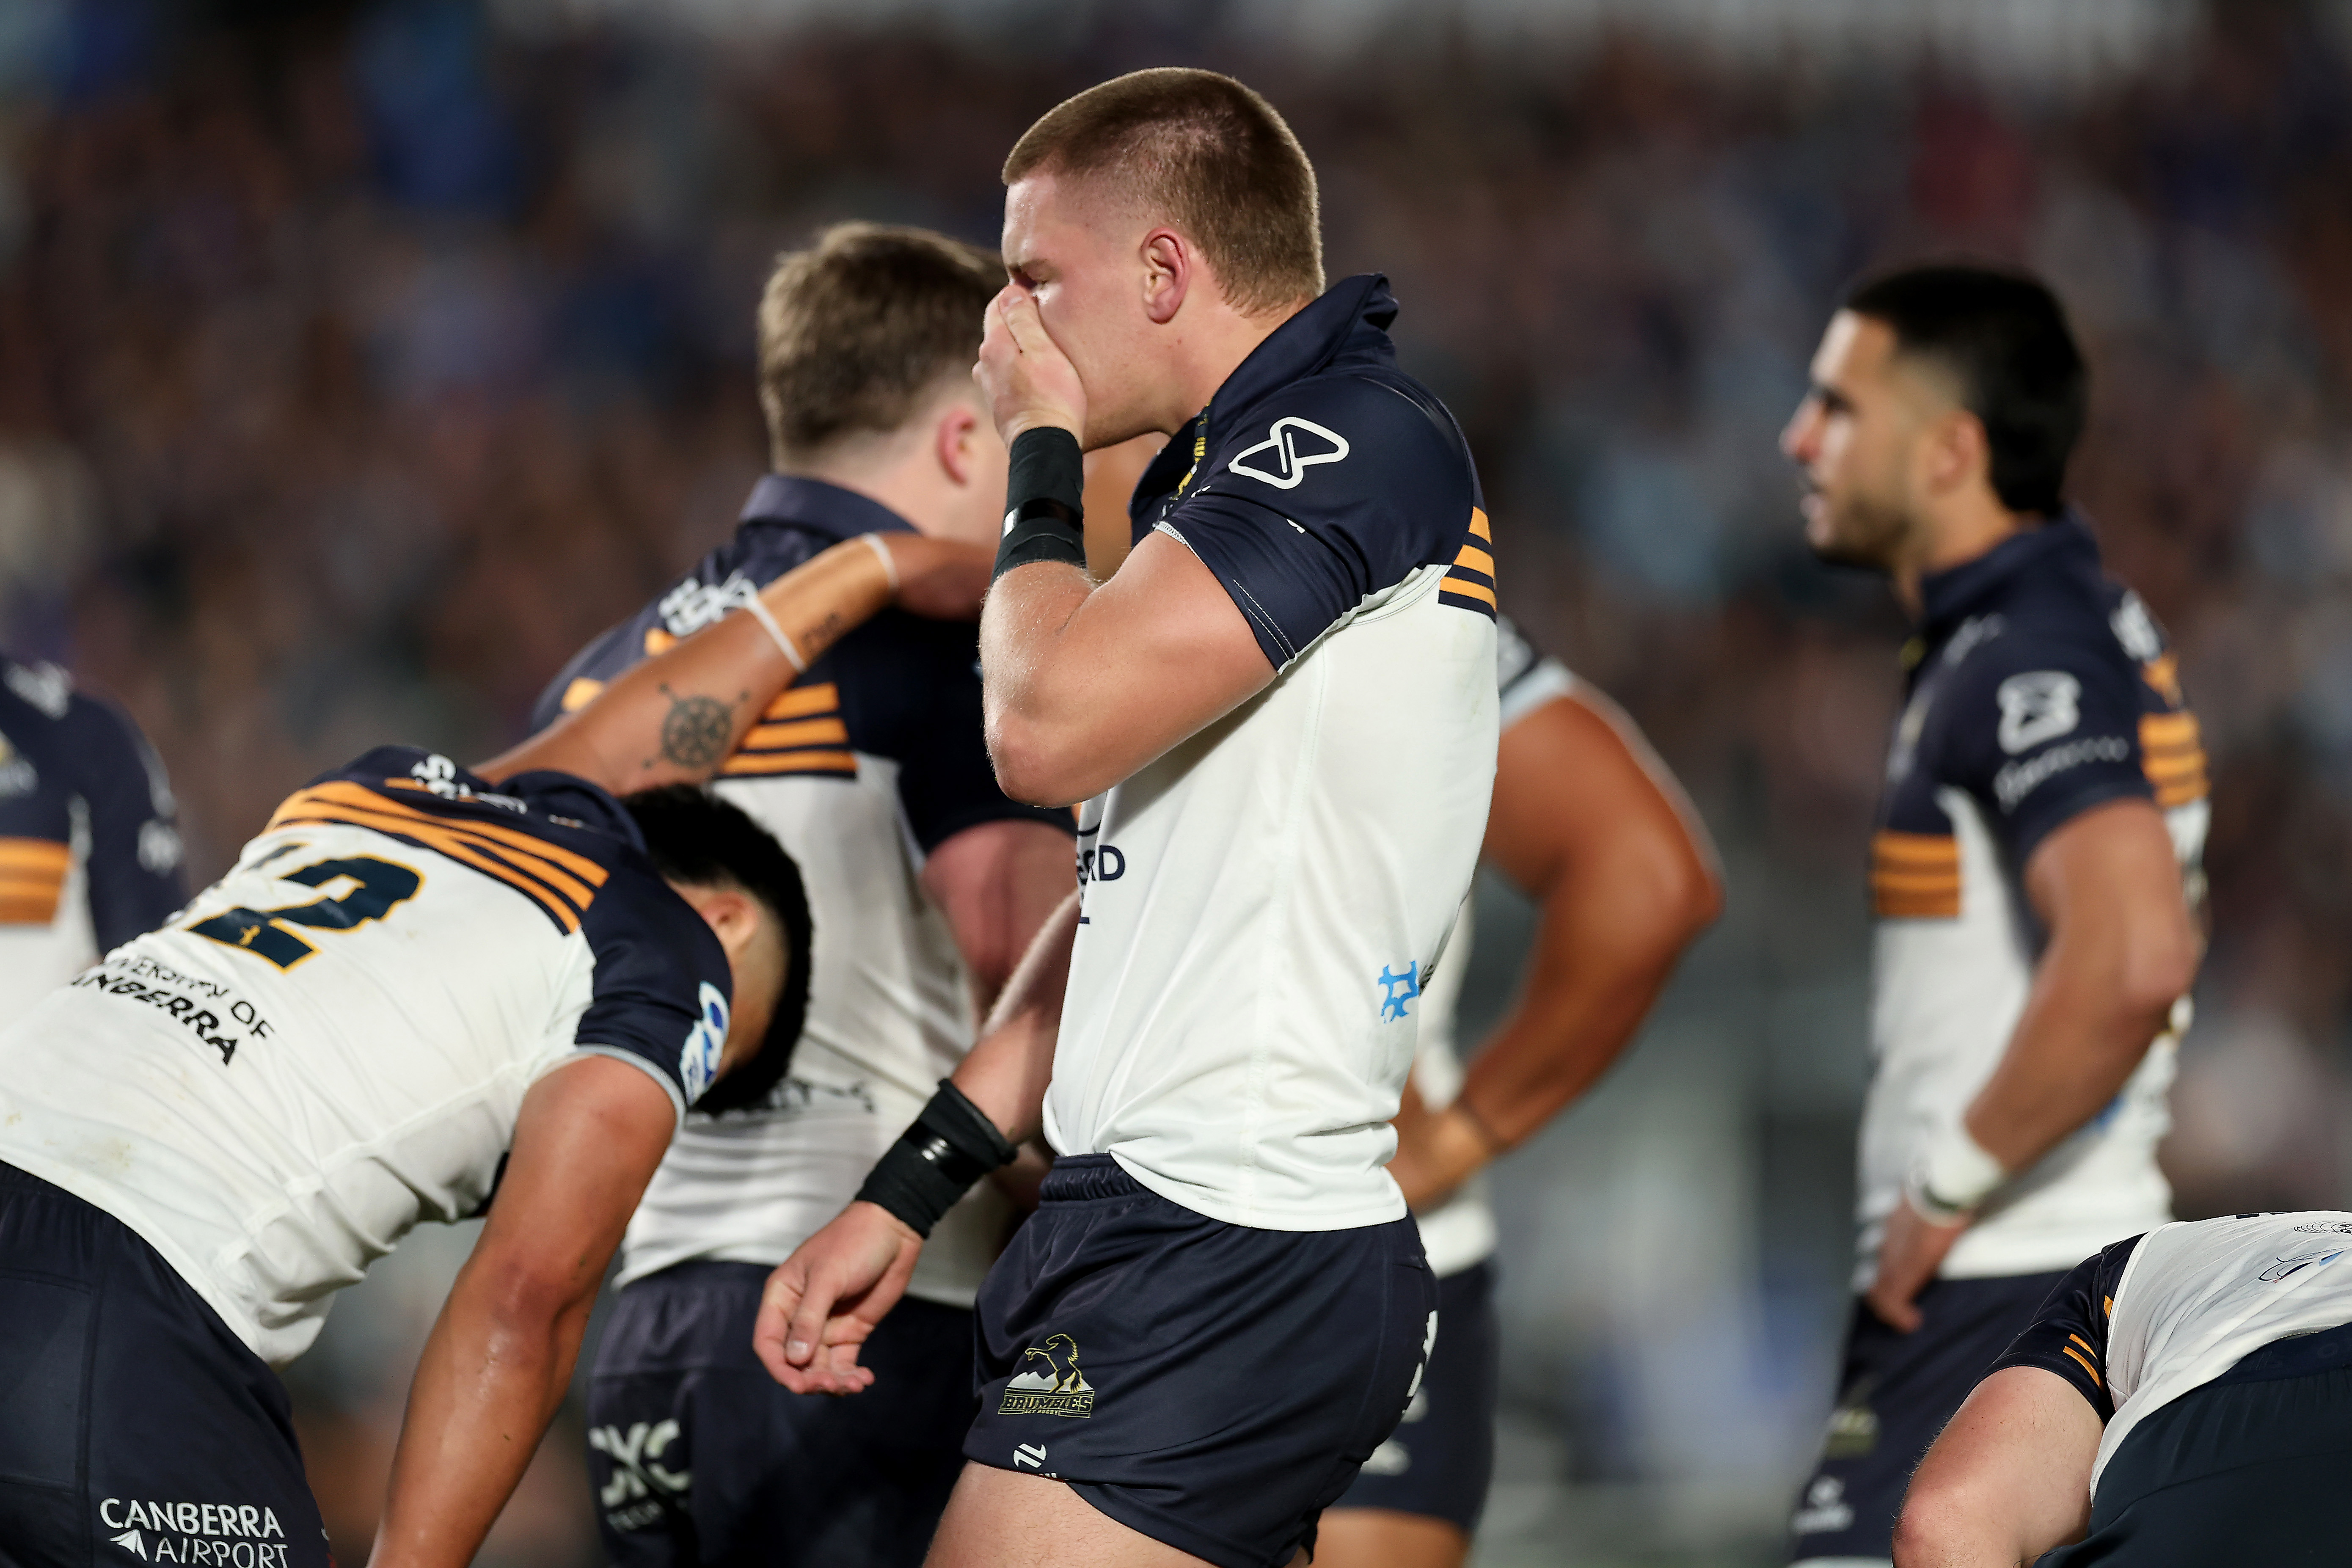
1441, 1460
1896, 1391
698, 1458
2246, 1469
135, 1427
1210, 1385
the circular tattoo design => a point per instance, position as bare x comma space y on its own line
695, 732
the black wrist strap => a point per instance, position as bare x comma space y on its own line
1044, 501
951, 1145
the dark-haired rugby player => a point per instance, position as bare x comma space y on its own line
420, 986
1281, 714
2045, 800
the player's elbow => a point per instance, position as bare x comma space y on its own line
1036, 763
524, 1297
2160, 964
1944, 1524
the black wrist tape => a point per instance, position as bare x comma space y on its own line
936, 1161
1044, 501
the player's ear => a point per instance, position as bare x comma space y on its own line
1958, 453
956, 436
1169, 269
734, 914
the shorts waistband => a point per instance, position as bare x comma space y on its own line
2329, 1349
1089, 1178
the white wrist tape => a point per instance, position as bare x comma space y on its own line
1953, 1175
760, 613
890, 566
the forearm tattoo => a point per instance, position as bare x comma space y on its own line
697, 730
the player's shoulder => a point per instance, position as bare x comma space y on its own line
1355, 435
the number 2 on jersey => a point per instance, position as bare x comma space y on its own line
270, 933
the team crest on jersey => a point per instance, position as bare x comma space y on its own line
2038, 706
1281, 459
1049, 1381
1397, 990
698, 1064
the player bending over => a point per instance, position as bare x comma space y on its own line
2044, 801
1281, 716
1588, 821
2182, 1400
419, 987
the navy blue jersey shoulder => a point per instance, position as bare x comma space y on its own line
2042, 687
62, 749
899, 686
1321, 475
2069, 1335
660, 987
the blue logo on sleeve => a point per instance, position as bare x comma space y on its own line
1396, 990
698, 1064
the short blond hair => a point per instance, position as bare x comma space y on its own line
856, 329
1211, 155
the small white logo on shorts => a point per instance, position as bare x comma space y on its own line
1030, 1454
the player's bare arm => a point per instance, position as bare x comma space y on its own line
823, 1301
2008, 1479
1086, 684
675, 718
1586, 821
2123, 948
500, 1356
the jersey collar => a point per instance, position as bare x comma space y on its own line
819, 507
2062, 545
1351, 320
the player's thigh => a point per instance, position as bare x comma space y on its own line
1002, 1519
1383, 1538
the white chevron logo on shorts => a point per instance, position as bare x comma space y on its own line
1282, 441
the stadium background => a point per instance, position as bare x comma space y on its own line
358, 362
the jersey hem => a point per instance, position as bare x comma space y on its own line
1250, 1218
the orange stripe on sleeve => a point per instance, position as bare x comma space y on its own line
1478, 525
805, 702
825, 731
2086, 1366
1467, 589
757, 762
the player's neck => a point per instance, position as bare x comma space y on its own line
1956, 532
1206, 347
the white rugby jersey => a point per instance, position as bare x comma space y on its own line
1263, 903
2145, 1320
2041, 688
334, 1041
90, 850
1459, 1234
870, 760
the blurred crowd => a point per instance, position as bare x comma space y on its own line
359, 362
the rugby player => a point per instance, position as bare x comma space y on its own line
90, 844
419, 989
2033, 870
925, 883
2183, 1398
1587, 822
1281, 716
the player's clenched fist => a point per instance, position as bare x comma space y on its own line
823, 1301
1029, 382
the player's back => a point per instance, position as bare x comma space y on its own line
90, 856
334, 1040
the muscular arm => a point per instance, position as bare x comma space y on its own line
1590, 823
676, 717
501, 1357
822, 1302
2122, 950
2008, 1478
1084, 685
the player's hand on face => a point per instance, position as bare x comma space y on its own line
1029, 382
1914, 1249
944, 579
823, 1301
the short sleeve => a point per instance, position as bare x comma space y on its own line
2040, 730
1526, 678
134, 839
913, 695
659, 994
2068, 1333
1329, 492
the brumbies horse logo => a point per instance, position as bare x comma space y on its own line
1049, 1381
